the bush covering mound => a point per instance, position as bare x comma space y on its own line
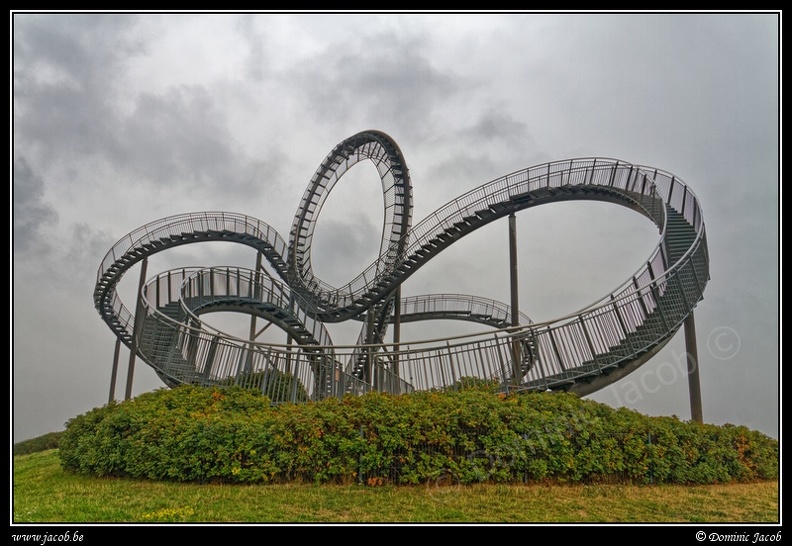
230, 434
40, 443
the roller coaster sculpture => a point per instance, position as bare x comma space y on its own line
581, 352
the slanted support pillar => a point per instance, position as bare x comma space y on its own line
693, 369
139, 318
114, 374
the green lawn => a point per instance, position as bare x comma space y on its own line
44, 493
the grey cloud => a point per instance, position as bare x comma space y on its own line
351, 245
257, 61
466, 103
376, 76
87, 247
66, 69
180, 137
31, 212
462, 170
495, 125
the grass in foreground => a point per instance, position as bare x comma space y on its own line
44, 493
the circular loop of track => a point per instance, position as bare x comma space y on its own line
580, 352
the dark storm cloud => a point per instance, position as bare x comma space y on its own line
31, 212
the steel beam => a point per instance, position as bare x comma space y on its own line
694, 382
138, 328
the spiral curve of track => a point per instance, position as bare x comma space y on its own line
581, 352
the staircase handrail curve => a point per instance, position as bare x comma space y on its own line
165, 226
289, 301
385, 154
153, 308
132, 245
435, 223
184, 275
438, 220
418, 235
669, 271
522, 329
622, 289
471, 300
162, 226
429, 303
321, 344
653, 192
446, 341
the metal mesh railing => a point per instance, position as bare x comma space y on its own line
637, 315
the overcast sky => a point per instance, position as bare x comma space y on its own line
122, 119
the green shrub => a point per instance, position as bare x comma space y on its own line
276, 385
39, 443
471, 382
233, 434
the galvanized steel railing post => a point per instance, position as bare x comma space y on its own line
588, 340
380, 368
451, 365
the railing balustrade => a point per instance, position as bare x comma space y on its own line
610, 332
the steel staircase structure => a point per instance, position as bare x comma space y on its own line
581, 352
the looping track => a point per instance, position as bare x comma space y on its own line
581, 352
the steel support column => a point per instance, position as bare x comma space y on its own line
396, 330
139, 317
256, 295
515, 297
693, 369
114, 374
368, 372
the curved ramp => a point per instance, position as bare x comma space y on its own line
581, 352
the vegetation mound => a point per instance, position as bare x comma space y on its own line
44, 442
473, 435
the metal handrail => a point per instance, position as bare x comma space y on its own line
637, 316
